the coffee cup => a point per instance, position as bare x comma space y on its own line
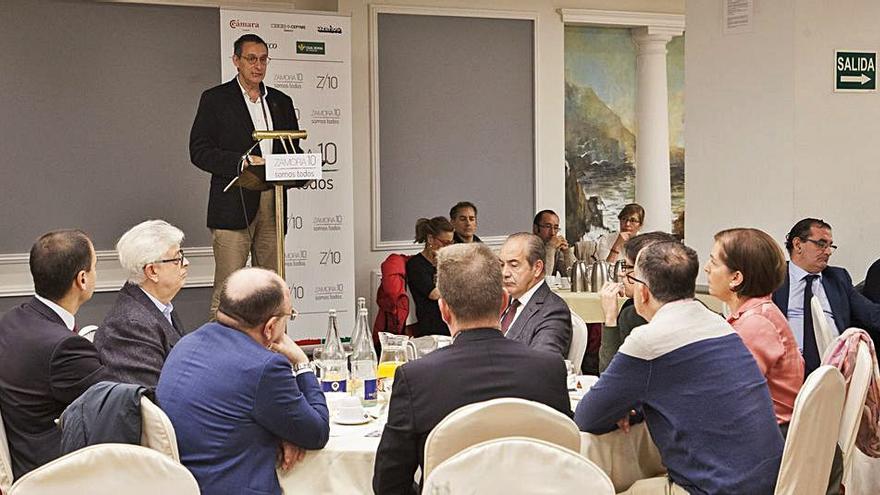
350, 410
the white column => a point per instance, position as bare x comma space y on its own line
653, 190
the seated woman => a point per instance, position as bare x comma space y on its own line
631, 217
744, 268
142, 327
619, 324
421, 274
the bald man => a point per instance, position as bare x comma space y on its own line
239, 388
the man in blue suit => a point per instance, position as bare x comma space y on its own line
238, 388
810, 246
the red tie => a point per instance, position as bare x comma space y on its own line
508, 315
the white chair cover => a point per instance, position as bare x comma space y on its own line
578, 342
108, 469
856, 392
497, 418
809, 447
5, 460
821, 328
157, 432
517, 465
88, 332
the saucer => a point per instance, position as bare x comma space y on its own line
352, 421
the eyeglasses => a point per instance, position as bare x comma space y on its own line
631, 220
444, 243
628, 268
822, 244
633, 280
177, 261
293, 314
253, 59
549, 226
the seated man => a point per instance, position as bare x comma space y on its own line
235, 388
704, 399
479, 365
558, 257
810, 245
536, 316
142, 326
45, 364
464, 218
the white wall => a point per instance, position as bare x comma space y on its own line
550, 98
767, 140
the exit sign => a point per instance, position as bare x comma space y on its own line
855, 71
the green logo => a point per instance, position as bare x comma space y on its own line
310, 47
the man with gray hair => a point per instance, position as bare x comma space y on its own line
142, 327
479, 365
689, 374
535, 316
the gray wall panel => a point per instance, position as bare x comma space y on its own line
456, 120
97, 101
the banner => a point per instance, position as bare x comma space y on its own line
310, 61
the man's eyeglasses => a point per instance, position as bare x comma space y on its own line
177, 260
549, 226
293, 313
822, 244
633, 280
253, 59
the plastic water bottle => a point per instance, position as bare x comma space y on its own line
363, 362
334, 375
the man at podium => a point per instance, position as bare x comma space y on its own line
242, 221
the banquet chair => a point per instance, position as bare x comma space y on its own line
853, 406
517, 465
809, 446
108, 469
88, 332
496, 418
5, 460
578, 342
157, 432
821, 329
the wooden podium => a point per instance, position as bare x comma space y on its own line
253, 177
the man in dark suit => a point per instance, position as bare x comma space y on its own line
242, 221
237, 388
810, 246
536, 316
45, 364
479, 365
142, 327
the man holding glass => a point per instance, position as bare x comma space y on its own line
242, 221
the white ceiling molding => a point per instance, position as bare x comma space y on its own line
669, 24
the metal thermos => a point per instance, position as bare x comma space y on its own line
600, 274
580, 276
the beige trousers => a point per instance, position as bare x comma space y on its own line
655, 486
232, 247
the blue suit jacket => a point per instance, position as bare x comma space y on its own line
850, 308
231, 402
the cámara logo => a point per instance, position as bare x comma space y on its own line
237, 24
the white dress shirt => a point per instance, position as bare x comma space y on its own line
260, 116
69, 320
523, 300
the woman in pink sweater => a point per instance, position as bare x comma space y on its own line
745, 267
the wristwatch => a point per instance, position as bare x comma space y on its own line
299, 367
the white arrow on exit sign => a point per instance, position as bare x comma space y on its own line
861, 79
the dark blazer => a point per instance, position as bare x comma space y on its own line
135, 338
479, 365
544, 323
850, 308
43, 368
872, 283
231, 402
220, 135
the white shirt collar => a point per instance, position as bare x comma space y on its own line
165, 309
244, 91
66, 317
524, 299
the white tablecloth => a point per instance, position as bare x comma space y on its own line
345, 465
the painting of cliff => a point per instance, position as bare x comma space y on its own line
600, 138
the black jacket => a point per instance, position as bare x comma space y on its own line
107, 412
480, 365
43, 368
220, 135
